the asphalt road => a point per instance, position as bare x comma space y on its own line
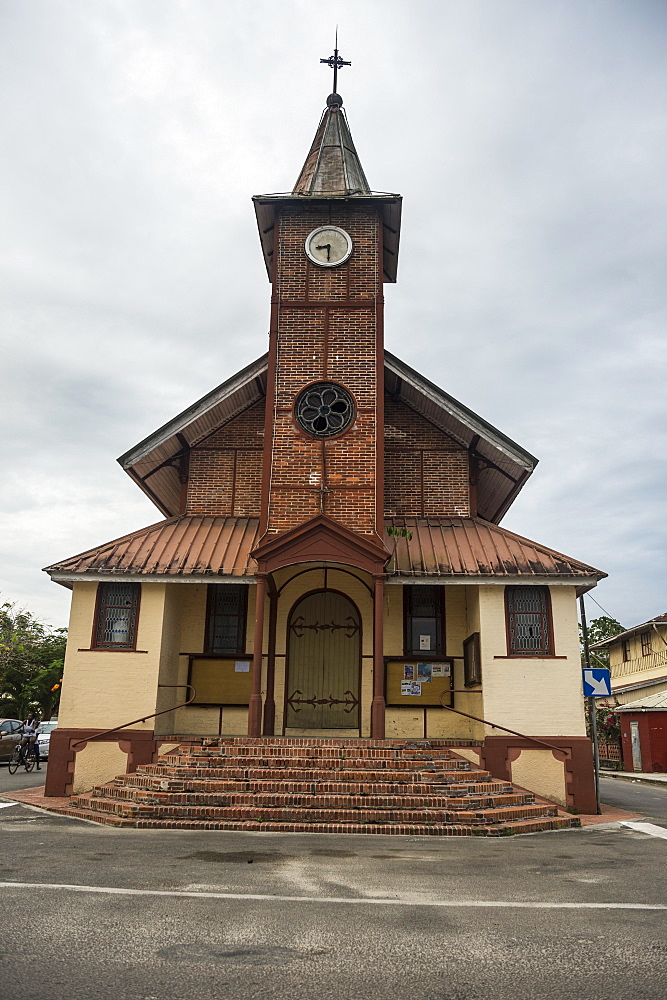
298, 917
650, 800
21, 779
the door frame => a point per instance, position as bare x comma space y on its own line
302, 597
636, 745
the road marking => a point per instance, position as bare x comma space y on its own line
356, 901
6, 805
650, 828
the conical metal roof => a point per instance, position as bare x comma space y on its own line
332, 166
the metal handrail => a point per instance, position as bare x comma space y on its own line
494, 725
164, 711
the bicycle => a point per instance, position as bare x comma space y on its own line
22, 755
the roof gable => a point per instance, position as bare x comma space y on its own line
504, 465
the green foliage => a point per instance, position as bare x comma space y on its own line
31, 664
598, 629
399, 532
608, 724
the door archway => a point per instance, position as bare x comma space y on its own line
323, 662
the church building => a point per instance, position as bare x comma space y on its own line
329, 561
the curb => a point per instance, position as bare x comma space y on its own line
639, 778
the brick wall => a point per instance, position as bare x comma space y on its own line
426, 471
226, 469
327, 330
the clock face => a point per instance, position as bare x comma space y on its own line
328, 246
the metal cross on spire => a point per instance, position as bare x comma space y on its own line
335, 62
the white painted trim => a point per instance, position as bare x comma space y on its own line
523, 581
198, 409
469, 419
650, 828
417, 900
146, 578
442, 581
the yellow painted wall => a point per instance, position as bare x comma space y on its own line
538, 696
167, 697
192, 721
470, 753
403, 722
540, 772
461, 619
96, 764
205, 720
104, 688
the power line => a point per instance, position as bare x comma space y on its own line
600, 607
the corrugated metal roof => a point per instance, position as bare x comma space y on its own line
180, 546
606, 643
471, 547
440, 547
650, 703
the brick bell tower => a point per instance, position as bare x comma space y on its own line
329, 246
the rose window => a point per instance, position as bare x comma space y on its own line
324, 409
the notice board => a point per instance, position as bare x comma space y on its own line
411, 681
221, 680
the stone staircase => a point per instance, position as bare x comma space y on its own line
291, 785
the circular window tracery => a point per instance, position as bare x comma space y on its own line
324, 409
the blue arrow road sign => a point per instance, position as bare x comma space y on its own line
597, 682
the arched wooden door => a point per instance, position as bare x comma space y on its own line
324, 656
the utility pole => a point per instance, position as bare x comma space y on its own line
592, 711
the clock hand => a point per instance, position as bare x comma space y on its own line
327, 247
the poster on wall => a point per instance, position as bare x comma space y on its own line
242, 667
412, 688
424, 672
441, 669
409, 672
424, 641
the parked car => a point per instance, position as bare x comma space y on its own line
45, 730
10, 735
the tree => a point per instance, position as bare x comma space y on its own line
599, 629
31, 663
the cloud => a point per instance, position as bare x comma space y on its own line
528, 141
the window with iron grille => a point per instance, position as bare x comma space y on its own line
528, 624
226, 618
646, 643
117, 612
424, 620
625, 646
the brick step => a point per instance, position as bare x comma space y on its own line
321, 761
328, 786
391, 829
315, 774
295, 753
311, 799
289, 743
296, 814
164, 783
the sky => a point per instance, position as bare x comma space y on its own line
528, 140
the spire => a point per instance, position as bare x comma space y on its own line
332, 166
